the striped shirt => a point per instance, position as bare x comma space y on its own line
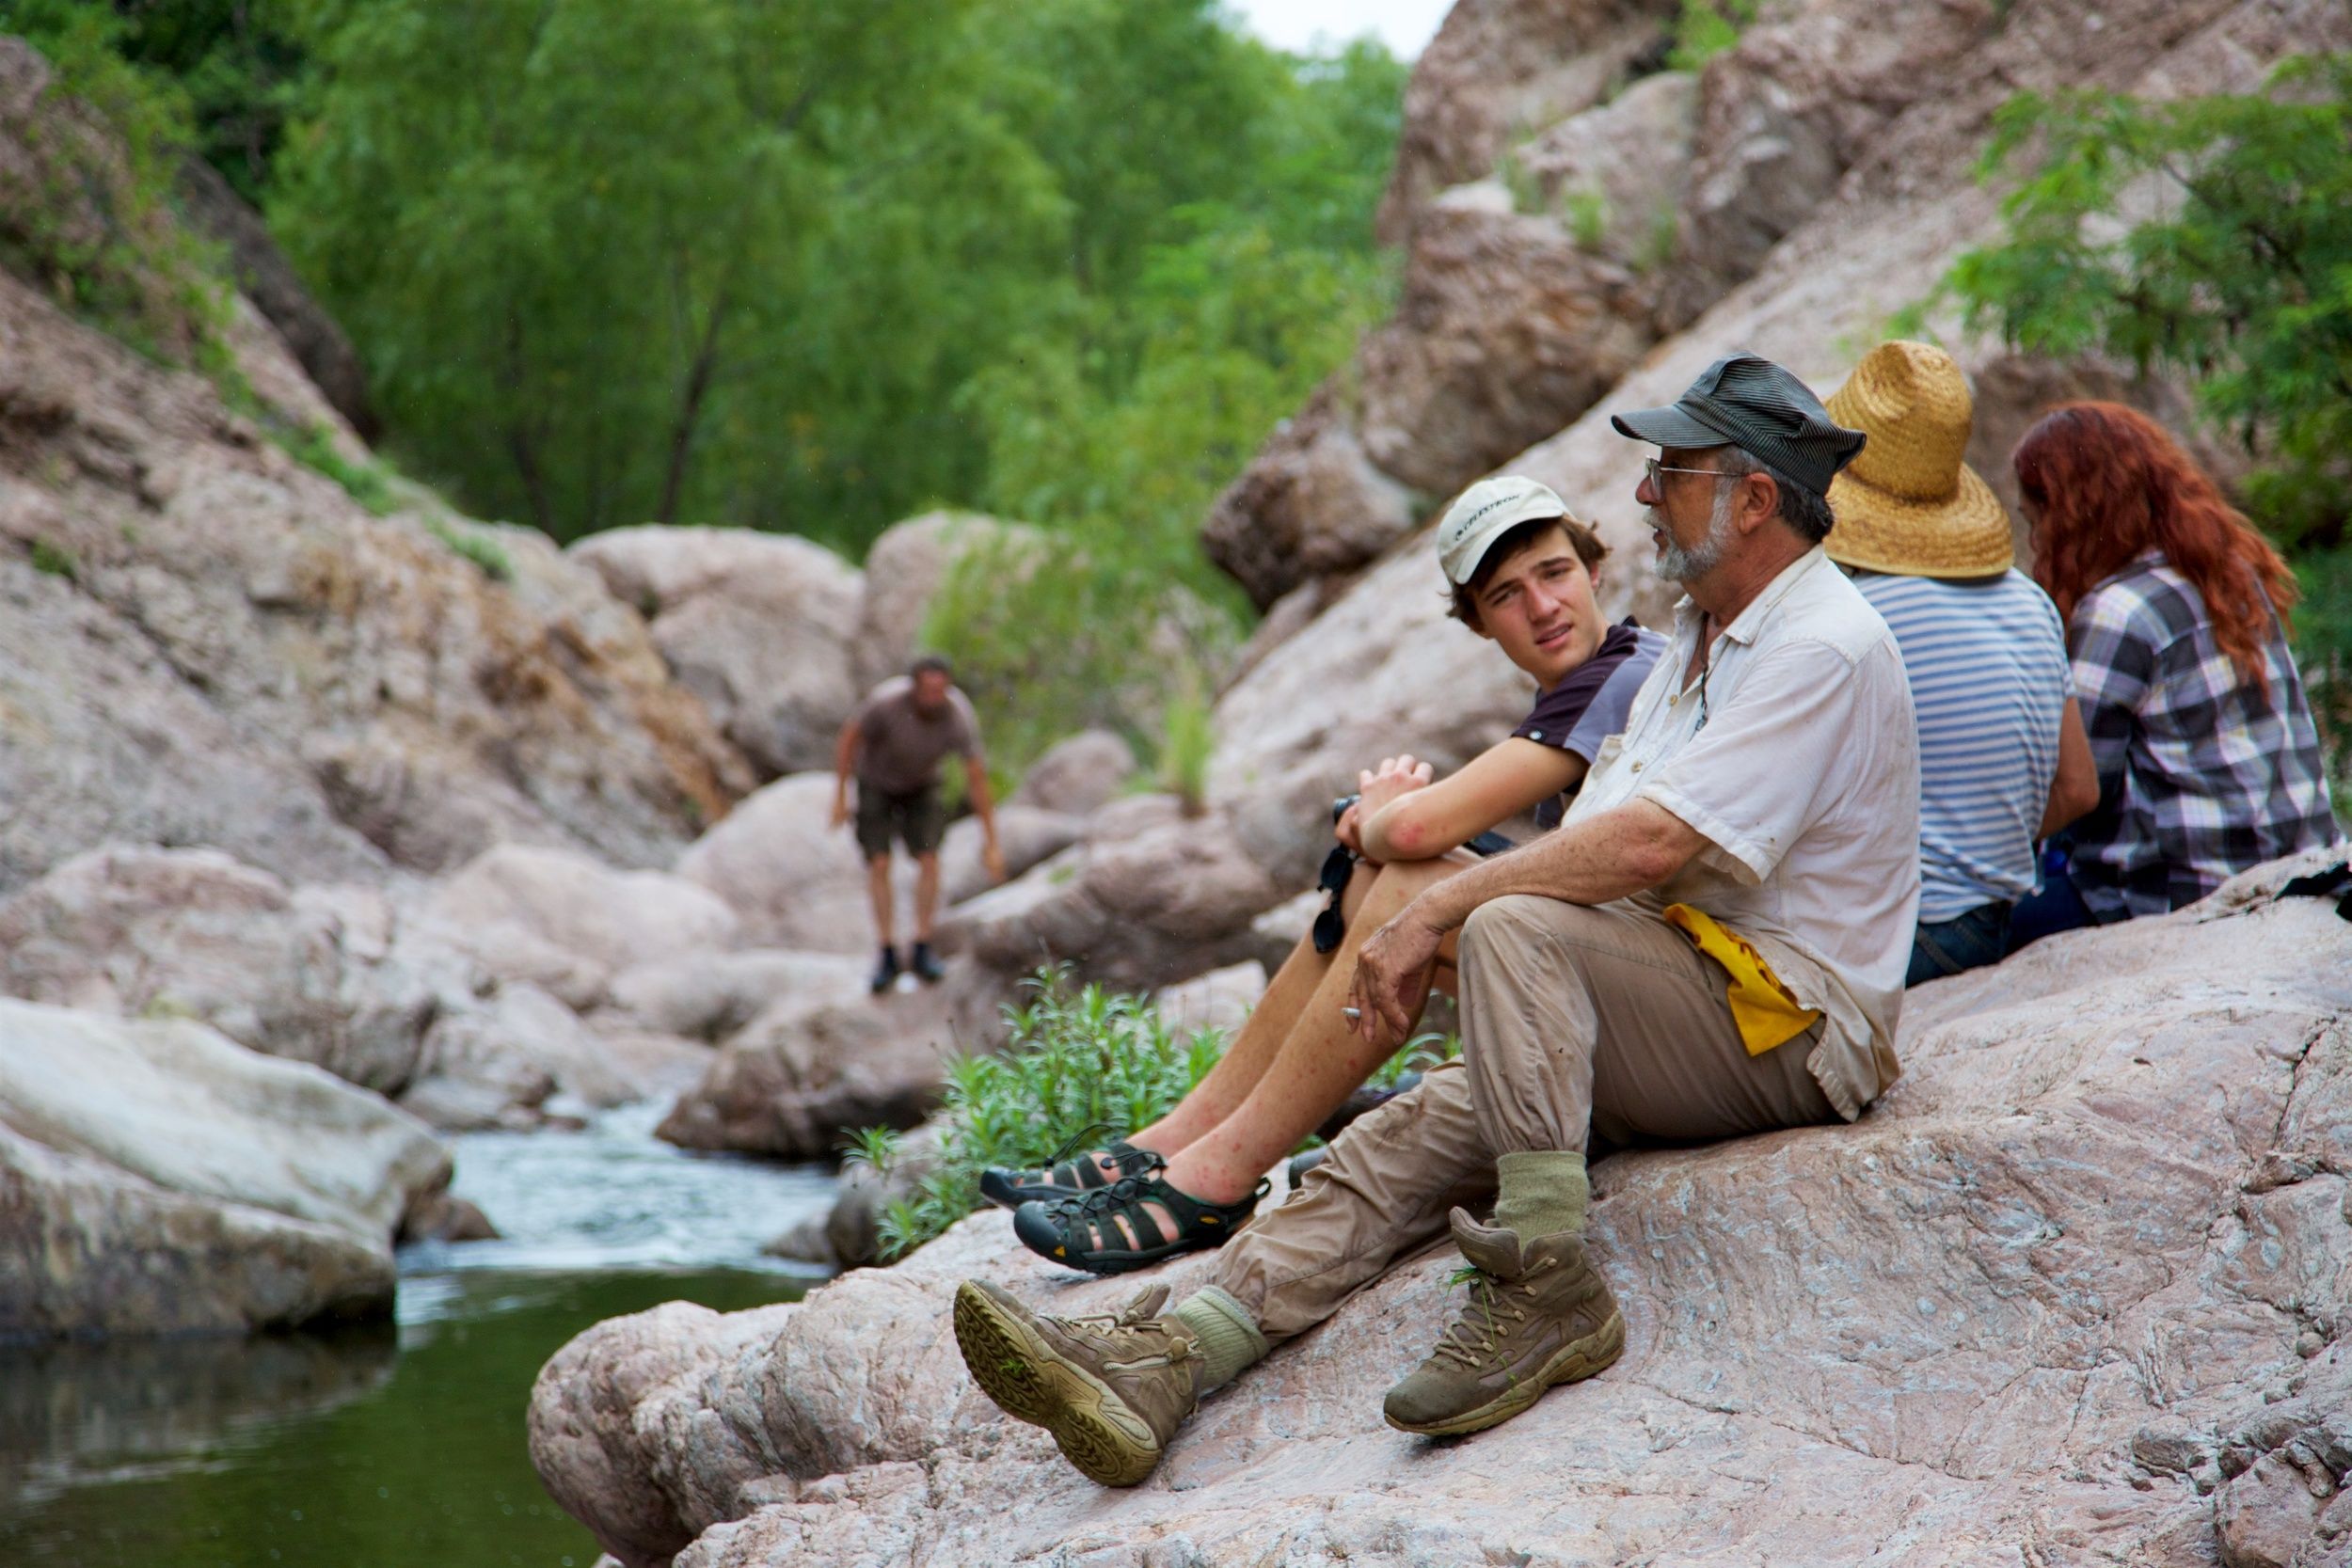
1987, 662
2201, 774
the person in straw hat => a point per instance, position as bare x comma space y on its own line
2003, 759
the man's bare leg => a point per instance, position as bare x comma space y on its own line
877, 889
926, 893
1317, 1063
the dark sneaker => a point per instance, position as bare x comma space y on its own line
926, 965
885, 973
1537, 1314
1112, 1389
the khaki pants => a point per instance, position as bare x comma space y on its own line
1579, 1025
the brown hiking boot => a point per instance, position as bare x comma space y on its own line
1538, 1314
1112, 1388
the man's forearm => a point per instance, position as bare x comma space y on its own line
1618, 852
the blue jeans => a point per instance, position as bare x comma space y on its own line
2058, 907
1966, 941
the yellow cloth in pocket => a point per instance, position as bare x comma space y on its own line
1767, 1011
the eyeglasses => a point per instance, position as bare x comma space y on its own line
1654, 467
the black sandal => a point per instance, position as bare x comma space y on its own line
1062, 1230
1011, 1189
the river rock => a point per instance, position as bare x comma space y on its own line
561, 920
1221, 1000
157, 1178
763, 628
709, 996
1077, 775
1148, 897
793, 879
811, 1070
2106, 1203
904, 568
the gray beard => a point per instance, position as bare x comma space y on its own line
1677, 564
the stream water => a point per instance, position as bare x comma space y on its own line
399, 1446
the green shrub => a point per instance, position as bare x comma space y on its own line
1079, 1058
1587, 214
93, 222
56, 559
1708, 28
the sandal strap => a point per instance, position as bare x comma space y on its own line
1087, 1174
1089, 1224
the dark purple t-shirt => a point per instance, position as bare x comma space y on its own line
1591, 702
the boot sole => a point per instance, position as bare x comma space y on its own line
1096, 1430
1572, 1363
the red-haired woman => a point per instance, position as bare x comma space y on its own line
2176, 620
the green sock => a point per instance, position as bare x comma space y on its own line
1542, 1194
1230, 1341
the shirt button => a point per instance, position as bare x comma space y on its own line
1637, 767
1535, 734
1671, 700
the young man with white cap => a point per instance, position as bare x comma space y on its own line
1711, 944
1522, 573
2003, 759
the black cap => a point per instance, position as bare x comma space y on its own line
1747, 402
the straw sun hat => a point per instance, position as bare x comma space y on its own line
1907, 503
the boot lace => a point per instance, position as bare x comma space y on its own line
1134, 1334
1473, 1340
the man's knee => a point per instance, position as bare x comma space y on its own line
1510, 924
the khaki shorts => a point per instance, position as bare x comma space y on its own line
918, 820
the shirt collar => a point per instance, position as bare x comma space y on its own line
1749, 621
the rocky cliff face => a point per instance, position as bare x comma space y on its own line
2075, 1289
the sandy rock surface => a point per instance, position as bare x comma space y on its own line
157, 1178
761, 626
2077, 1283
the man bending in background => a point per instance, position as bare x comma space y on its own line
894, 745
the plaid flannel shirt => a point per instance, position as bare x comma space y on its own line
2201, 774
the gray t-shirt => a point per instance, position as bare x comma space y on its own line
902, 745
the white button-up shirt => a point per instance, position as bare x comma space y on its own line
1797, 758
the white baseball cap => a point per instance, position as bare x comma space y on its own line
1484, 513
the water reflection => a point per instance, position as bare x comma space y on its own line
397, 1446
73, 1415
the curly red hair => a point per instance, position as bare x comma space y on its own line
2107, 481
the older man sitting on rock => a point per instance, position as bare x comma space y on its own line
1711, 944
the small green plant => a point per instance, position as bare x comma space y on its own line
485, 553
1079, 1058
875, 1147
1659, 238
1186, 742
1587, 212
56, 559
314, 448
1708, 28
1527, 191
1418, 1054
